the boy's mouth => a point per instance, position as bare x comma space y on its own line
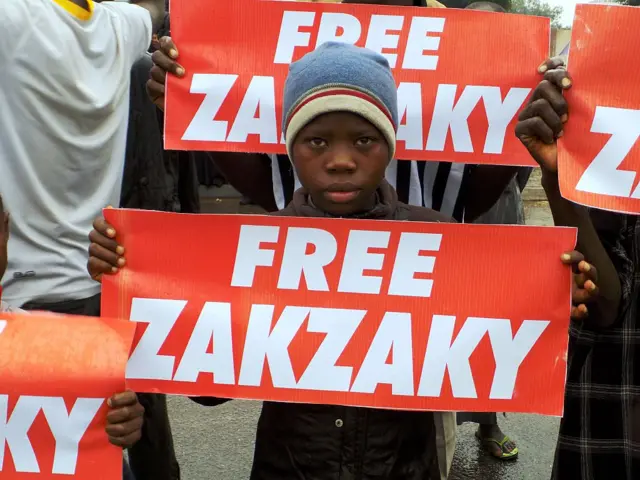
342, 197
342, 193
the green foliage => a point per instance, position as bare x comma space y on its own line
539, 8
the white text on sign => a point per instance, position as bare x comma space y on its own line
345, 28
604, 175
358, 258
257, 114
267, 341
67, 427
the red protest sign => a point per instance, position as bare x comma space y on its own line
56, 373
599, 155
457, 97
402, 315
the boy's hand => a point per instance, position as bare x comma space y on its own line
163, 62
124, 420
584, 288
105, 255
542, 121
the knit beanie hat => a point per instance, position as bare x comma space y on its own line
338, 77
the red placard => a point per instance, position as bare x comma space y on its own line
453, 60
599, 156
56, 373
402, 315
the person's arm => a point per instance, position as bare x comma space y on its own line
605, 309
155, 8
486, 185
539, 126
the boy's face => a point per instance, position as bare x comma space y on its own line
341, 158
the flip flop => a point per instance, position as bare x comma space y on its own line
512, 455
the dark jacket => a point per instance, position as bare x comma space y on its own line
154, 179
323, 442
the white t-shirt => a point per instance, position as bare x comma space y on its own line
64, 96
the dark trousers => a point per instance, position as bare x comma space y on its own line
153, 457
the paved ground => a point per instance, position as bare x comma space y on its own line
217, 443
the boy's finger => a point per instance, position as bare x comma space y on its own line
589, 271
124, 429
125, 414
123, 399
159, 75
105, 242
101, 253
542, 109
582, 296
167, 46
551, 64
552, 94
579, 313
572, 258
97, 268
163, 61
101, 226
155, 91
559, 77
535, 128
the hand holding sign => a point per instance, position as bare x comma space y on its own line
584, 289
542, 121
163, 63
124, 421
56, 373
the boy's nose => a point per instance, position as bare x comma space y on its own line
341, 161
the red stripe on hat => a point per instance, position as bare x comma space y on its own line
352, 93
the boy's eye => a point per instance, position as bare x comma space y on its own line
317, 142
365, 141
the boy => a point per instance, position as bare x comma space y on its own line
124, 420
340, 123
600, 431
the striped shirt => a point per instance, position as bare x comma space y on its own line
436, 185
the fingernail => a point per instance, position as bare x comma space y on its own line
564, 118
109, 403
566, 82
586, 267
592, 287
114, 270
173, 53
180, 71
566, 257
111, 232
542, 68
120, 250
121, 262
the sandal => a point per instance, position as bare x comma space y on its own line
488, 442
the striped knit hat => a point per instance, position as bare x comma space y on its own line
338, 77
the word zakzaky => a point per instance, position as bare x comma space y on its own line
604, 175
268, 336
67, 427
410, 43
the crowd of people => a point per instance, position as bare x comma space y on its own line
81, 129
